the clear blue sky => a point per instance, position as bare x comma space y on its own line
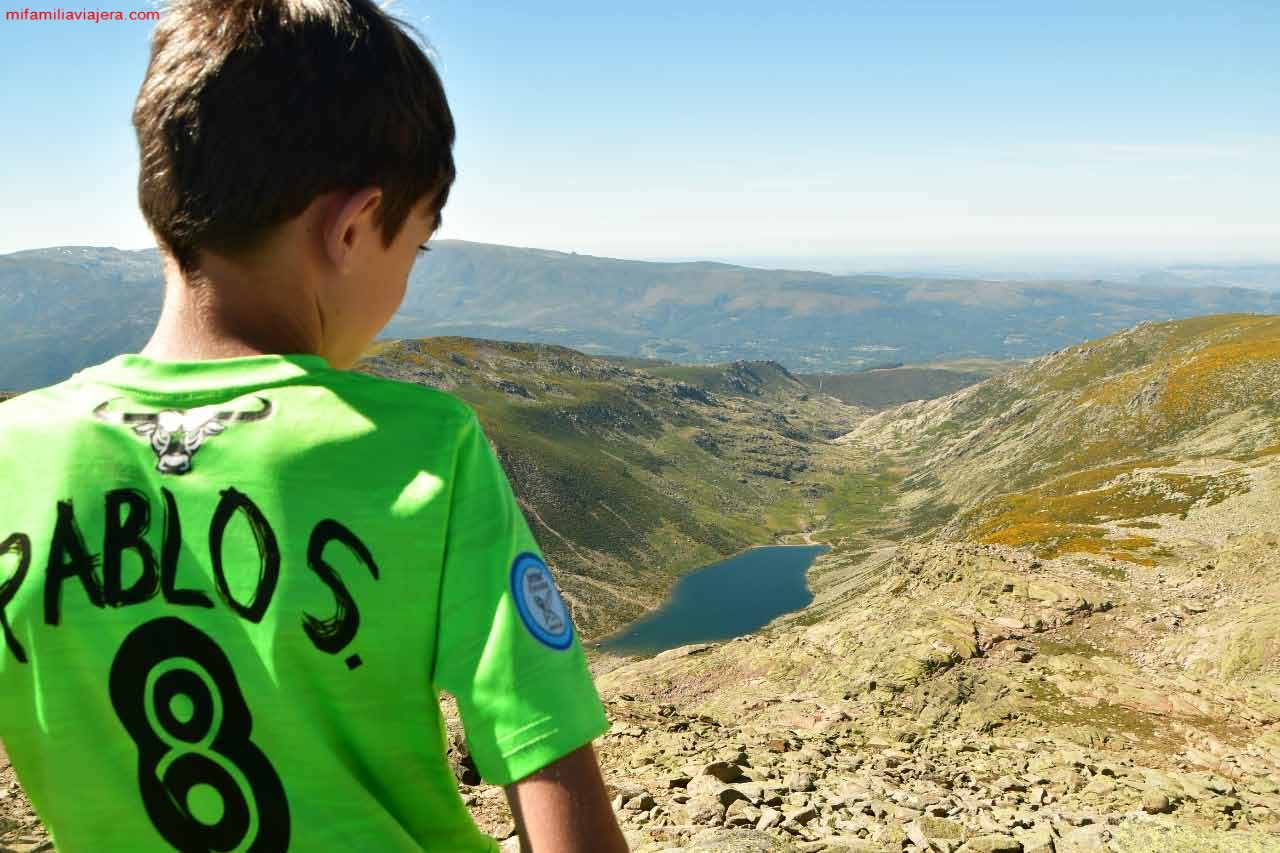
742, 129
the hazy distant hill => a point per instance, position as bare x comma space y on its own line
66, 307
883, 387
707, 312
63, 309
1254, 276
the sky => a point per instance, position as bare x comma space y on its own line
842, 131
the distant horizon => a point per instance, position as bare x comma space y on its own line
996, 265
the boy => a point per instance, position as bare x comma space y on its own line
233, 576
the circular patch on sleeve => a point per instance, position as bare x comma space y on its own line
541, 608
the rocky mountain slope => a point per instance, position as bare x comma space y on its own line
64, 308
1074, 646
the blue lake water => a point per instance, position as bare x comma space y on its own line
723, 600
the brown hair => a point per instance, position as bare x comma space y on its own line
252, 108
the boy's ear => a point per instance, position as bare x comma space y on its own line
350, 222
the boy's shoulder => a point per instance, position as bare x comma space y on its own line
33, 405
418, 399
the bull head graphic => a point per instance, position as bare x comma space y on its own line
176, 434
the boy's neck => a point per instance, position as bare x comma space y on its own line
229, 310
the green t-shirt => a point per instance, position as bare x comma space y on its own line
230, 592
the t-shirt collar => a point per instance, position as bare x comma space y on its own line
141, 373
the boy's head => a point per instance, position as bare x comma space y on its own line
253, 112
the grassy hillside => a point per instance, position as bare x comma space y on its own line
630, 477
759, 379
1063, 453
882, 388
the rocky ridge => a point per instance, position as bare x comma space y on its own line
1071, 645
981, 699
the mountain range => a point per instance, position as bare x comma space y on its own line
71, 306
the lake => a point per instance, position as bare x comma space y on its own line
723, 600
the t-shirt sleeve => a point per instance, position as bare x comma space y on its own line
505, 645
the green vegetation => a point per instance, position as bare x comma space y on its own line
855, 504
886, 387
1089, 449
630, 477
741, 378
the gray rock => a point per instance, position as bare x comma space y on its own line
705, 786
1155, 802
800, 815
1037, 840
800, 781
740, 813
917, 837
1009, 783
635, 838
641, 803
890, 836
841, 844
738, 841
1226, 805
725, 771
994, 843
705, 810
769, 818
941, 829
1086, 839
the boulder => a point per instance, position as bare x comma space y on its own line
725, 771
738, 841
1086, 839
1156, 802
740, 813
642, 803
705, 811
800, 815
801, 781
941, 829
1037, 840
994, 843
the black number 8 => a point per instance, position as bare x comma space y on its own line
204, 783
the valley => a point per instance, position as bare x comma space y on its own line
1071, 646
629, 477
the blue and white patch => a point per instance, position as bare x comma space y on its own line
541, 608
